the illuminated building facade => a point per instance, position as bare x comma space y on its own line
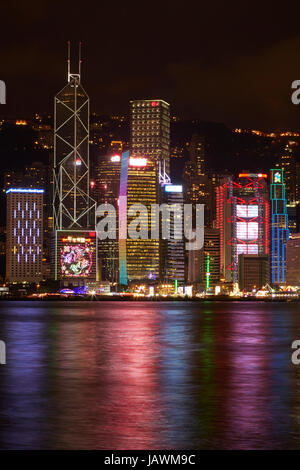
279, 226
108, 186
75, 256
73, 208
173, 250
197, 154
243, 220
293, 260
198, 185
36, 175
138, 258
150, 130
288, 164
72, 205
24, 245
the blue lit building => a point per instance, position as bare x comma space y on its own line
24, 246
279, 226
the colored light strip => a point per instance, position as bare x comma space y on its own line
207, 274
252, 175
123, 220
17, 190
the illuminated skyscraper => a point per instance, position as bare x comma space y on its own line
197, 154
138, 258
293, 260
279, 226
150, 130
288, 164
172, 249
198, 186
73, 208
24, 244
108, 186
72, 205
243, 220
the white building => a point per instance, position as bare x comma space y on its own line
24, 240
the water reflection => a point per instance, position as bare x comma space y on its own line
136, 375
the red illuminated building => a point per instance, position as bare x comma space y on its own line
243, 220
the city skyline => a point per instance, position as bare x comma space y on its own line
149, 229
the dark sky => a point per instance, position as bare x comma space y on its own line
230, 62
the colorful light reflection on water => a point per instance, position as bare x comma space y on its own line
149, 375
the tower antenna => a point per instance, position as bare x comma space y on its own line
80, 61
69, 61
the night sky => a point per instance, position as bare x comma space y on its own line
230, 62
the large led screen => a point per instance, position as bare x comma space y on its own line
247, 212
247, 230
76, 260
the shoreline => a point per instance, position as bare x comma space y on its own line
146, 299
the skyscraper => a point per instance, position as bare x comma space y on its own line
150, 130
198, 186
279, 226
138, 258
197, 154
108, 172
288, 164
73, 208
72, 205
243, 220
172, 249
24, 243
293, 260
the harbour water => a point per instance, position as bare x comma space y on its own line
149, 375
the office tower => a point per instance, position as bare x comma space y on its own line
293, 260
24, 243
108, 186
243, 220
138, 258
279, 226
150, 130
36, 175
107, 178
198, 186
204, 264
253, 272
73, 208
288, 164
293, 212
197, 154
173, 249
297, 172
